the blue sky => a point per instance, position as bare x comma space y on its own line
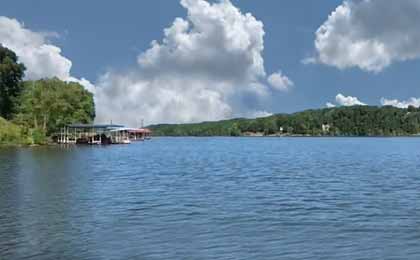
102, 36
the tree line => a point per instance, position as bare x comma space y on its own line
30, 111
339, 121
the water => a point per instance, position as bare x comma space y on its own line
213, 198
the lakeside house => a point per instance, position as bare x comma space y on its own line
100, 134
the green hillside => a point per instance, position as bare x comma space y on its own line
340, 121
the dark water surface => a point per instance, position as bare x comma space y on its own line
213, 198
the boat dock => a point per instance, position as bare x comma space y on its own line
100, 134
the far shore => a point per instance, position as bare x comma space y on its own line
294, 136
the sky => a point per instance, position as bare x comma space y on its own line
186, 61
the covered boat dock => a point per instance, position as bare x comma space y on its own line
100, 134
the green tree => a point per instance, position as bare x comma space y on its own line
234, 130
11, 134
11, 74
50, 104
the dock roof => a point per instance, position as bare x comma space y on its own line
131, 130
94, 126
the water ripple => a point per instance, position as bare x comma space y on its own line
213, 198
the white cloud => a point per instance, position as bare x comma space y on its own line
309, 60
280, 82
369, 34
257, 114
84, 82
330, 105
346, 101
208, 66
42, 59
401, 104
130, 98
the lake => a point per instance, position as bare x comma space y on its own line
213, 198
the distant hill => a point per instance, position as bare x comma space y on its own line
339, 121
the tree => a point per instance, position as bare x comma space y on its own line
234, 130
412, 109
50, 104
11, 74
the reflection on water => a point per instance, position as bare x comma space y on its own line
213, 198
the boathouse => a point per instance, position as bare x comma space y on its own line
100, 134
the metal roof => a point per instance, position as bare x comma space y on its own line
94, 126
131, 130
120, 129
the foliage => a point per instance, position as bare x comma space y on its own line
341, 121
11, 134
38, 136
49, 104
37, 108
11, 74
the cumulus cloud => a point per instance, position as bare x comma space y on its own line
346, 101
208, 66
369, 34
280, 81
401, 104
42, 59
330, 105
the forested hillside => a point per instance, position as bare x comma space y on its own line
340, 121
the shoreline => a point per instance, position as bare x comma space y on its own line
11, 145
294, 136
